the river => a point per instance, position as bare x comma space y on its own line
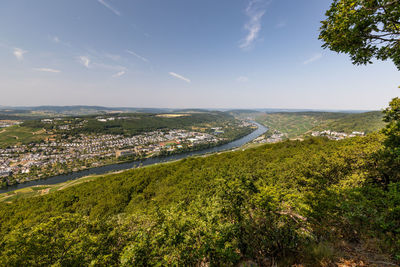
129, 165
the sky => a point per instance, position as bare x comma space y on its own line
180, 54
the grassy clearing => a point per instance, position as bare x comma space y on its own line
172, 115
43, 189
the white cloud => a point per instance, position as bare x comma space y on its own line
119, 74
255, 11
19, 53
179, 77
313, 58
107, 5
242, 79
47, 70
85, 61
138, 56
95, 64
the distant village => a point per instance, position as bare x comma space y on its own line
277, 136
332, 135
8, 123
274, 138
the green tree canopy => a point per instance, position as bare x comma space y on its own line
364, 29
392, 117
392, 141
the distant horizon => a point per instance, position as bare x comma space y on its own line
2, 107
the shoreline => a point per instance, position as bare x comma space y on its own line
130, 164
133, 160
48, 188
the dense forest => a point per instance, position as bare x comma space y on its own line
292, 202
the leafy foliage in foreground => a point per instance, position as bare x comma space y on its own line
363, 29
271, 202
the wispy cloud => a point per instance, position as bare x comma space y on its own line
84, 60
179, 77
119, 74
107, 5
57, 40
242, 79
255, 11
138, 56
19, 53
47, 70
95, 63
313, 58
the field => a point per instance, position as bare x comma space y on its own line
20, 135
41, 190
172, 115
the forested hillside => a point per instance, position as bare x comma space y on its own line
367, 122
291, 202
295, 124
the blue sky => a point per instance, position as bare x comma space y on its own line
180, 54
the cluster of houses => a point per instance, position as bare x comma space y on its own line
103, 119
332, 135
8, 123
65, 125
274, 138
337, 135
19, 160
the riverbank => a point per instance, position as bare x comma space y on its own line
131, 164
39, 190
21, 167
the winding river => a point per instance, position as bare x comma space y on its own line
128, 165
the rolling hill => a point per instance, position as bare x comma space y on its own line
295, 124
